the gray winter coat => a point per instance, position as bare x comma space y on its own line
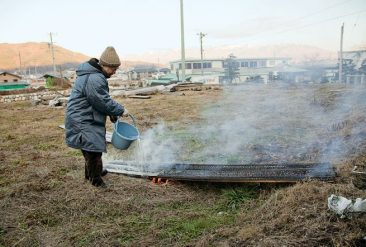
88, 106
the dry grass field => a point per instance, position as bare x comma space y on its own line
44, 200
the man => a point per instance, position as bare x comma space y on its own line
87, 110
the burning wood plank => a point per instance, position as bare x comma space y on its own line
292, 172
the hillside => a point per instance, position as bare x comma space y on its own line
39, 55
36, 54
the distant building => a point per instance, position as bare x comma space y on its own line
143, 72
6, 77
193, 66
164, 70
292, 75
212, 70
330, 74
139, 73
51, 75
70, 75
354, 61
354, 67
56, 81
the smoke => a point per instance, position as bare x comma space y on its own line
157, 148
257, 123
274, 124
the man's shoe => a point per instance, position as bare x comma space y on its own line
98, 182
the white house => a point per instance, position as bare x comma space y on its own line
210, 70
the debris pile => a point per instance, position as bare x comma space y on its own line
50, 100
343, 206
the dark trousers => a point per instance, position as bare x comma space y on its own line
93, 165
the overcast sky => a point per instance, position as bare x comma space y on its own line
140, 26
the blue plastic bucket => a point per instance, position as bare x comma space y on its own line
124, 134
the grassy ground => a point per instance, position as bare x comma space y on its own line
44, 200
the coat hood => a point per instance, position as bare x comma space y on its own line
90, 67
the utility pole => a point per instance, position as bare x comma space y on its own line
183, 62
53, 55
341, 56
61, 72
201, 37
20, 64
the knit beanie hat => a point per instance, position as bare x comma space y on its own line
109, 57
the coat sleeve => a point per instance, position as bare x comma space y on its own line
96, 91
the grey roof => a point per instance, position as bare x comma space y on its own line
164, 70
144, 69
289, 69
198, 60
5, 72
51, 75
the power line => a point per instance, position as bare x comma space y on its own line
326, 20
321, 10
354, 25
293, 21
311, 24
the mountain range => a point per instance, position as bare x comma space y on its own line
297, 52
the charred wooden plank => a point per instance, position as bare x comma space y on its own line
291, 172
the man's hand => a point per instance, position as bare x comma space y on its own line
113, 118
125, 113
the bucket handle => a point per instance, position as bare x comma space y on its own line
133, 120
132, 117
